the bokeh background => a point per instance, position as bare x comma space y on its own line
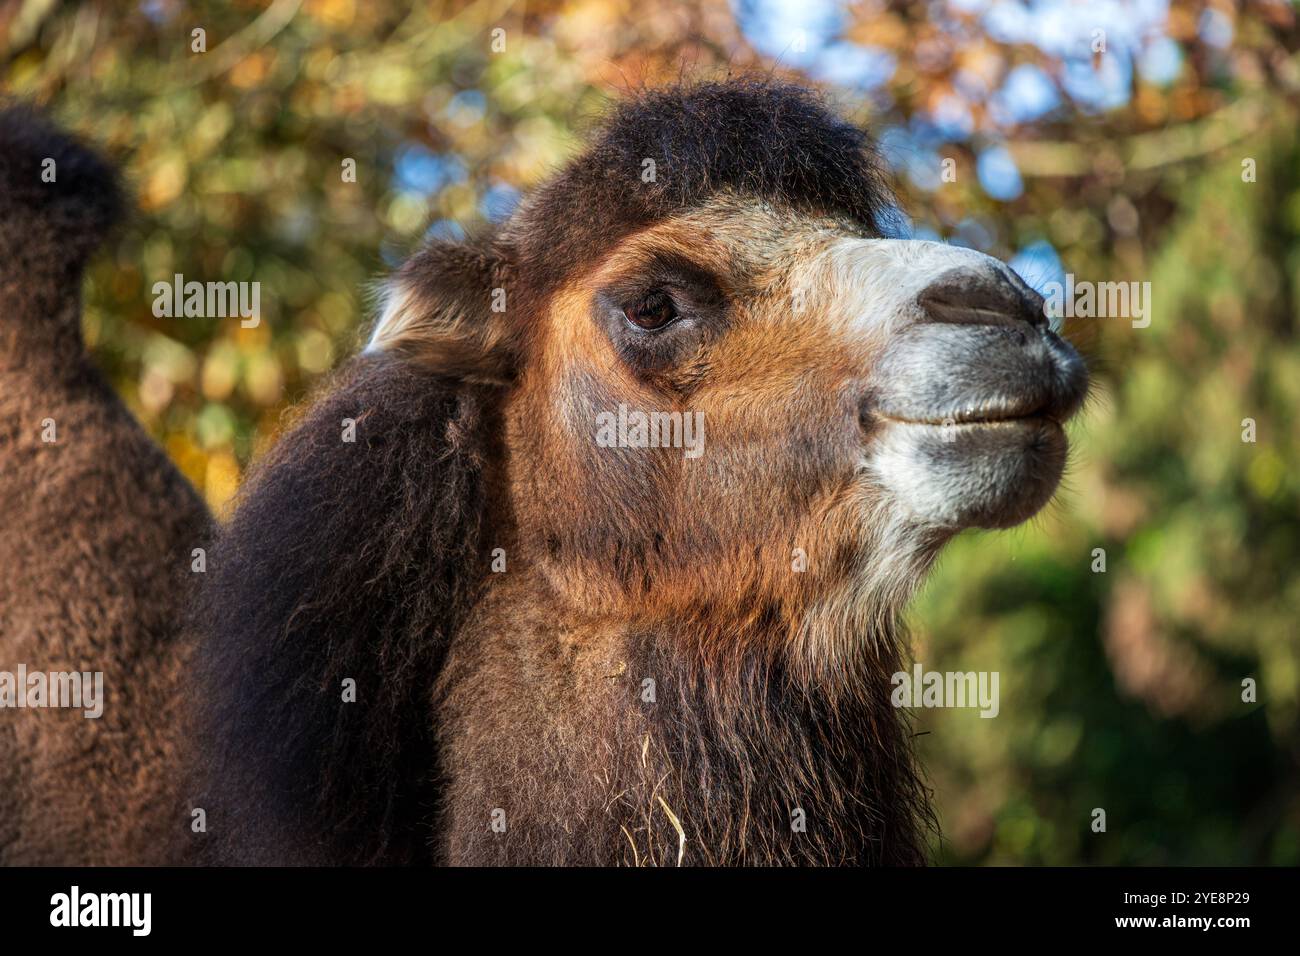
1148, 140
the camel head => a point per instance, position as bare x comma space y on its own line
722, 384
713, 425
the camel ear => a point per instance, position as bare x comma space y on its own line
446, 308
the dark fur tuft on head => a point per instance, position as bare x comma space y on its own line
755, 137
344, 560
48, 229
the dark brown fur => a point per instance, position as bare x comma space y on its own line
95, 542
345, 560
754, 137
550, 724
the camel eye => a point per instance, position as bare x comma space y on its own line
653, 312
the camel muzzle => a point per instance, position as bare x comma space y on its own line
968, 400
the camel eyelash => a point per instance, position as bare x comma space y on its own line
652, 312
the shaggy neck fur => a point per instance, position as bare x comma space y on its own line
717, 762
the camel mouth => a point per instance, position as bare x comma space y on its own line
963, 376
972, 421
976, 419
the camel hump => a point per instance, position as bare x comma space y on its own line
59, 199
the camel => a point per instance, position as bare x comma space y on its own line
95, 541
459, 618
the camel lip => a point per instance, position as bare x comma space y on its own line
1032, 410
964, 375
1036, 417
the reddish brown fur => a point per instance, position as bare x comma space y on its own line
95, 548
95, 543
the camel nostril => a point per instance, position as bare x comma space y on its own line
982, 299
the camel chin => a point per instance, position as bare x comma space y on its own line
993, 474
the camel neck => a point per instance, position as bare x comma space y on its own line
607, 741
